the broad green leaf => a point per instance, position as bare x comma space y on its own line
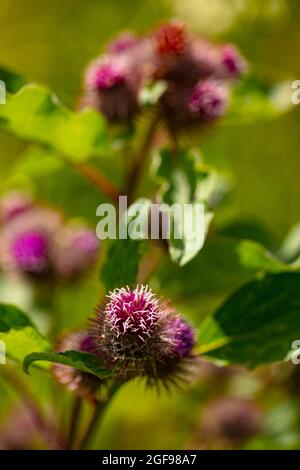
186, 181
257, 325
82, 361
121, 266
13, 81
249, 229
253, 100
36, 115
223, 265
19, 334
122, 262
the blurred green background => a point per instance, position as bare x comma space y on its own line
50, 42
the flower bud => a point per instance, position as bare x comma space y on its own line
208, 100
141, 336
232, 64
81, 383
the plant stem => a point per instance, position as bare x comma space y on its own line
97, 415
93, 424
75, 415
140, 160
99, 180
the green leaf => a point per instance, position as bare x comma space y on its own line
253, 100
13, 81
82, 361
223, 265
121, 266
257, 325
185, 180
122, 261
36, 115
19, 334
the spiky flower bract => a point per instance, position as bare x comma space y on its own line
81, 383
184, 336
141, 336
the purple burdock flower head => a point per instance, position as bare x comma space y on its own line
136, 333
184, 336
232, 64
208, 100
29, 251
26, 242
81, 383
105, 75
14, 204
75, 251
231, 421
112, 85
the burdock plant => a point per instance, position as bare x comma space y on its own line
153, 95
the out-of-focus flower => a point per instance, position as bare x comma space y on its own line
196, 73
75, 251
106, 75
208, 100
112, 85
14, 204
81, 383
231, 421
171, 38
142, 336
37, 241
232, 64
184, 336
26, 242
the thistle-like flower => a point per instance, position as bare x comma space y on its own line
106, 75
82, 383
25, 242
112, 87
232, 64
231, 421
208, 100
196, 73
141, 336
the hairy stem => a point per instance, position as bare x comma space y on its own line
96, 418
99, 180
